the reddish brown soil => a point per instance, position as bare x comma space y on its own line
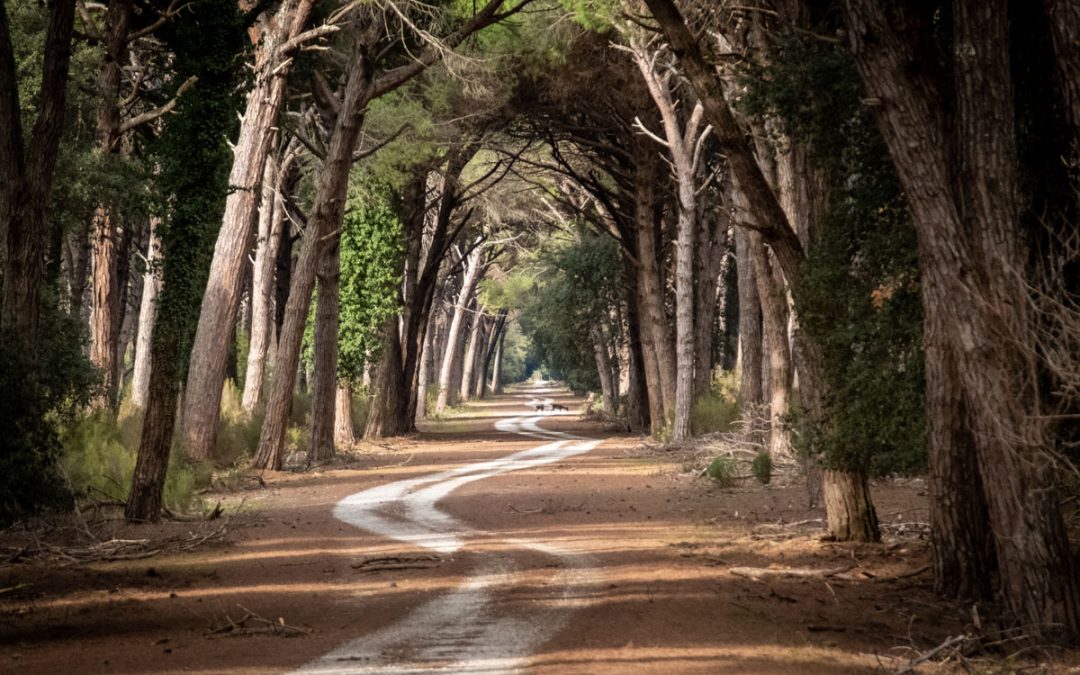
664, 543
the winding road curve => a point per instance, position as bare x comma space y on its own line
466, 630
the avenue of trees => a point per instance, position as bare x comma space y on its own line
245, 230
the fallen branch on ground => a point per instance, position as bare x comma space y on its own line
253, 624
947, 644
758, 573
404, 562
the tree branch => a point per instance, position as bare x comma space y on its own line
151, 115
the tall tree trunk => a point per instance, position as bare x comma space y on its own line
383, 422
496, 370
971, 265
476, 337
962, 542
324, 382
751, 389
140, 381
603, 367
343, 423
271, 219
1064, 19
709, 255
427, 366
206, 374
661, 357
450, 357
774, 311
106, 281
27, 173
325, 219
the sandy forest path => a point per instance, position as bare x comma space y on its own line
496, 540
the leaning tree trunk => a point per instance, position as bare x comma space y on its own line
271, 220
450, 357
972, 266
775, 320
324, 223
140, 381
206, 374
324, 381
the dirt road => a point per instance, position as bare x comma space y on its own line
498, 540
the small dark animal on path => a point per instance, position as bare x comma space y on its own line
540, 407
556, 406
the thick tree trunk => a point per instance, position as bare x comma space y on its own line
1064, 19
324, 381
140, 381
206, 374
383, 422
489, 352
963, 545
106, 280
271, 219
324, 221
603, 367
451, 356
27, 173
709, 254
774, 311
848, 508
971, 265
651, 296
343, 424
751, 387
637, 396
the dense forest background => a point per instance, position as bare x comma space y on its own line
234, 234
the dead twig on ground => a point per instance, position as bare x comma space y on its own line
253, 624
949, 643
759, 573
397, 562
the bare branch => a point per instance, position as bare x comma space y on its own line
151, 115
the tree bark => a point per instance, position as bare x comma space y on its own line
709, 255
271, 219
206, 374
140, 381
476, 336
427, 366
603, 367
383, 422
469, 280
324, 383
963, 546
325, 219
106, 281
1064, 19
27, 173
343, 423
496, 370
774, 311
751, 389
971, 266
651, 298
848, 508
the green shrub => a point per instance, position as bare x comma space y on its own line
238, 430
761, 467
713, 413
361, 406
722, 471
99, 464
